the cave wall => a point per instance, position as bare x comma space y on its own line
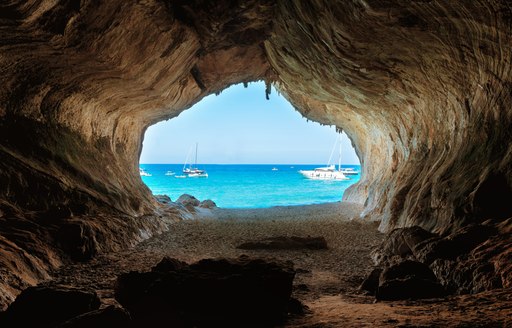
423, 88
82, 81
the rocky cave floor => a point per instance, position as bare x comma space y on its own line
327, 281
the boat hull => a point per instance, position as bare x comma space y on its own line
350, 172
324, 175
198, 175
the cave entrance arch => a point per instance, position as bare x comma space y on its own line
252, 150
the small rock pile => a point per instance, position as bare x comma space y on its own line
413, 263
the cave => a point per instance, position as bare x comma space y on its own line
422, 87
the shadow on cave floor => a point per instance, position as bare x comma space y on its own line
326, 281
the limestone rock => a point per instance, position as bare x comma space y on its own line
458, 243
486, 267
208, 203
220, 292
400, 242
26, 256
188, 200
48, 306
164, 199
285, 242
471, 259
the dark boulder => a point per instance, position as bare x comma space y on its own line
371, 283
408, 280
169, 264
188, 200
409, 288
406, 269
208, 203
48, 306
164, 199
283, 242
213, 293
108, 317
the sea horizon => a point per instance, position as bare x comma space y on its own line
320, 164
248, 185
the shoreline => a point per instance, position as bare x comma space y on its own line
345, 211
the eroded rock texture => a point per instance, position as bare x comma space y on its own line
471, 259
422, 87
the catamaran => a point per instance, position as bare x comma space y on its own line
193, 171
328, 172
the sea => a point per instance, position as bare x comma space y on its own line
248, 186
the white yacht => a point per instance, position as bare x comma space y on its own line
144, 173
170, 173
324, 173
193, 171
328, 172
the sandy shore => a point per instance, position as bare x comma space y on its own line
328, 211
326, 280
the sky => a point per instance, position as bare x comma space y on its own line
240, 126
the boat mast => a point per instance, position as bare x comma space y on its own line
339, 159
332, 152
186, 159
196, 156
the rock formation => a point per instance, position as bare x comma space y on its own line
209, 293
423, 88
413, 263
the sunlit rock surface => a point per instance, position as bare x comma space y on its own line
423, 88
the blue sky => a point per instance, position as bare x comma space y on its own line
240, 126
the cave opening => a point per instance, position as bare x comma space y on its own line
252, 151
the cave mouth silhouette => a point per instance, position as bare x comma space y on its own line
252, 149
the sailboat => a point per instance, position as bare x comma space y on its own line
328, 172
193, 171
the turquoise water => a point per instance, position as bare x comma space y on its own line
248, 186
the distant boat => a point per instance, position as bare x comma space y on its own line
193, 171
143, 173
328, 172
349, 171
170, 173
180, 176
274, 169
